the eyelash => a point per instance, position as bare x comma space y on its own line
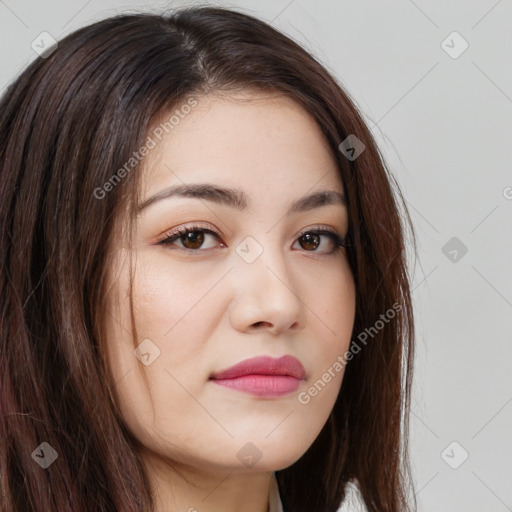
174, 234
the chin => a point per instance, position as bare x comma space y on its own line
277, 454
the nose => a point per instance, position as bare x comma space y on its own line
267, 295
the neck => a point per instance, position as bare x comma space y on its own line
181, 488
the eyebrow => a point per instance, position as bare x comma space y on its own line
238, 199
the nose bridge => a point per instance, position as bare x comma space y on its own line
266, 287
264, 261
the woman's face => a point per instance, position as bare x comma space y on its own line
250, 284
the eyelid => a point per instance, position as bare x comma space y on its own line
321, 227
203, 226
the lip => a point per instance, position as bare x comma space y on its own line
263, 376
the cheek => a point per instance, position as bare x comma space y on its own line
173, 307
164, 293
332, 304
334, 314
148, 367
155, 398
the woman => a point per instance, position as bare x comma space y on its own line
204, 296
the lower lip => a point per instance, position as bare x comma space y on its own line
262, 385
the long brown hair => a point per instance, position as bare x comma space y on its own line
67, 124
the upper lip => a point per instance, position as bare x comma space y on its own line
264, 365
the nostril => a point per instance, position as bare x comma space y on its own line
261, 324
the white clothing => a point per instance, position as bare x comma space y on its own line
274, 499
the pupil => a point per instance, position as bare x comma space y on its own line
193, 239
311, 241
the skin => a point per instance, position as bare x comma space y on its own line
209, 310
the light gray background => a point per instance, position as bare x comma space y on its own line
445, 126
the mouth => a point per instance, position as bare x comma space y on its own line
263, 376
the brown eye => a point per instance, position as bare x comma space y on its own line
192, 239
320, 241
310, 241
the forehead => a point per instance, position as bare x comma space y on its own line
248, 139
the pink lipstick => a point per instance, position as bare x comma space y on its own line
263, 376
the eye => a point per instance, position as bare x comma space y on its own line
192, 238
311, 240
